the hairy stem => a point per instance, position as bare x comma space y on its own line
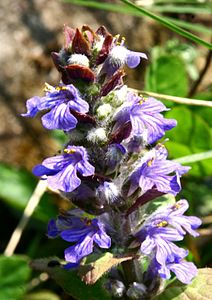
180, 100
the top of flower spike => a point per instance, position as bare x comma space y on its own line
85, 49
119, 55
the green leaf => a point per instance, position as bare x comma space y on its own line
71, 282
203, 9
160, 202
177, 149
204, 112
41, 295
182, 133
16, 187
167, 24
59, 136
91, 272
199, 289
167, 75
14, 274
192, 135
199, 195
191, 26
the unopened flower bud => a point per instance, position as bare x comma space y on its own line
109, 193
116, 288
117, 56
117, 97
136, 291
78, 59
103, 111
97, 135
137, 143
120, 96
114, 155
63, 57
98, 43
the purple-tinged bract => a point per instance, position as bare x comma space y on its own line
61, 170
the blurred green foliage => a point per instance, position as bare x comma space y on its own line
14, 274
16, 187
129, 7
170, 71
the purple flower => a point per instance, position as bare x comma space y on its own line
119, 56
64, 221
157, 235
156, 241
62, 171
59, 101
184, 271
154, 170
174, 216
69, 266
145, 117
84, 233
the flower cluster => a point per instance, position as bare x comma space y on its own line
157, 236
112, 157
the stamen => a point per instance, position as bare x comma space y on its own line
162, 224
123, 39
48, 88
143, 99
160, 145
150, 162
176, 206
69, 151
61, 88
116, 39
87, 222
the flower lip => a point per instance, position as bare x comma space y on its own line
120, 55
62, 171
155, 171
146, 118
165, 226
84, 233
59, 102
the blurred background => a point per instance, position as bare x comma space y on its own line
29, 32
